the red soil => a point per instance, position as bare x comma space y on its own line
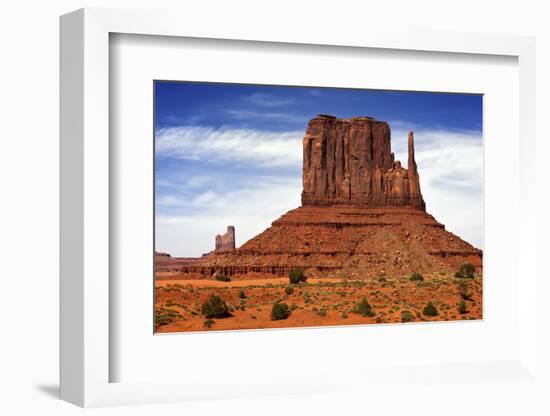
320, 302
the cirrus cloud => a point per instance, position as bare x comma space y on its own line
242, 146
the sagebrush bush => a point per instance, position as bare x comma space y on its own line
214, 307
296, 276
242, 295
363, 308
165, 316
467, 271
463, 290
416, 277
407, 316
223, 278
430, 310
462, 309
280, 310
289, 290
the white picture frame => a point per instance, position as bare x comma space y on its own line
86, 356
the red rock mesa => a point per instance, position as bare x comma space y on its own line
349, 162
362, 215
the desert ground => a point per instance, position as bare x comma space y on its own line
317, 302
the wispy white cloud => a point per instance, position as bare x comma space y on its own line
205, 198
259, 116
267, 100
198, 181
243, 146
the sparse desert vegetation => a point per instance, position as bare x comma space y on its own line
296, 276
363, 308
430, 310
254, 302
214, 307
416, 277
467, 271
462, 308
280, 310
223, 278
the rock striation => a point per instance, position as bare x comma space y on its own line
350, 162
346, 241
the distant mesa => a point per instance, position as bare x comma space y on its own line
226, 242
362, 215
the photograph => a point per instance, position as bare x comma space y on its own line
293, 206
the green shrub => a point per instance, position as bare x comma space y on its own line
214, 307
430, 310
416, 277
208, 323
165, 316
467, 271
363, 308
463, 290
296, 276
462, 309
223, 278
280, 310
242, 295
382, 279
289, 290
406, 316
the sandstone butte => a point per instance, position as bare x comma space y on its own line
362, 215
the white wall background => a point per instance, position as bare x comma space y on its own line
29, 181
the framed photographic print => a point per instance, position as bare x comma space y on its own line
297, 212
325, 225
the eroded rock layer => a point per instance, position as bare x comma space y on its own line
347, 242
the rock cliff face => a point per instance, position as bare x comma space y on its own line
350, 162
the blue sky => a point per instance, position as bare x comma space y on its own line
231, 154
277, 108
